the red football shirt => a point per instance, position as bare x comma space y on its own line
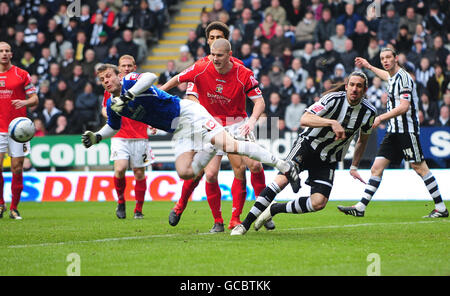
223, 95
15, 84
130, 129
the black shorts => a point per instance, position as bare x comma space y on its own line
398, 147
320, 173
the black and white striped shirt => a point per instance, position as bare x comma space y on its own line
352, 118
401, 86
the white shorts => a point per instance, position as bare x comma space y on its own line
13, 148
195, 128
137, 151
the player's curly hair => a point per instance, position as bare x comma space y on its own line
341, 86
218, 26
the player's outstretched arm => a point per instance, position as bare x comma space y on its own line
360, 147
311, 120
361, 62
173, 82
89, 138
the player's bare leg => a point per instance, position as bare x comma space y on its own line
224, 141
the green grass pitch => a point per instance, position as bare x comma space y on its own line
323, 243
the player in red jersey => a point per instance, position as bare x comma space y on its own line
17, 92
230, 110
129, 146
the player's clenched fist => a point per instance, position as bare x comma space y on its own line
88, 138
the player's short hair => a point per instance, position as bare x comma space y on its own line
389, 49
103, 67
127, 57
218, 26
222, 43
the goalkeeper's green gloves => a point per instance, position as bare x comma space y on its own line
88, 138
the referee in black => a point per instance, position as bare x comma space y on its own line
402, 135
332, 122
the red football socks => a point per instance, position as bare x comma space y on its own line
214, 196
120, 185
239, 193
16, 190
258, 182
139, 192
186, 191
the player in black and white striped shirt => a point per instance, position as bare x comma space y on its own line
402, 138
331, 123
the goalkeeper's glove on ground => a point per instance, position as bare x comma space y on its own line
88, 138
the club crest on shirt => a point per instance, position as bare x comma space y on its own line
219, 88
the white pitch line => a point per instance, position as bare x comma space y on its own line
207, 233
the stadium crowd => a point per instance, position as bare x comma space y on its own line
297, 49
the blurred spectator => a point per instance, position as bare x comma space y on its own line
447, 66
50, 112
266, 87
444, 116
42, 17
268, 26
61, 126
107, 14
61, 94
276, 74
85, 18
421, 35
256, 68
40, 128
61, 16
337, 7
266, 58
316, 7
95, 29
434, 20
43, 93
416, 53
102, 48
424, 72
185, 60
437, 84
339, 74
279, 42
287, 57
52, 27
18, 47
73, 118
328, 59
54, 76
145, 19
403, 43
67, 63
348, 56
236, 11
126, 45
304, 31
339, 39
258, 38
437, 53
325, 28
31, 32
388, 28
247, 55
216, 9
124, 19
257, 11
81, 46
59, 46
200, 31
274, 110
309, 57
88, 65
70, 32
193, 43
236, 42
28, 62
375, 91
169, 73
286, 90
297, 74
87, 104
113, 56
294, 112
372, 55
77, 80
430, 109
360, 37
247, 25
158, 7
277, 11
309, 92
349, 19
411, 19
295, 12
